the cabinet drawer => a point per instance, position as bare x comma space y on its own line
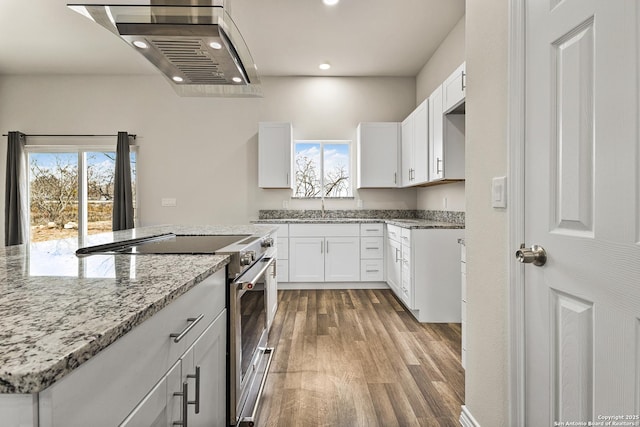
371, 229
394, 232
405, 236
371, 270
124, 372
282, 270
283, 248
283, 230
323, 230
371, 248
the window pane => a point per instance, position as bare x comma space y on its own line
307, 170
53, 195
100, 176
336, 170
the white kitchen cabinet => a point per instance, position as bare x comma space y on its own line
378, 160
117, 380
393, 259
160, 407
446, 141
306, 258
324, 253
415, 143
282, 262
275, 144
372, 252
342, 259
454, 89
208, 354
463, 305
423, 270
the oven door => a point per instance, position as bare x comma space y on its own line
250, 357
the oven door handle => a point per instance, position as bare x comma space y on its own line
250, 277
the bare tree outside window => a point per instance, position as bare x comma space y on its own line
322, 169
54, 193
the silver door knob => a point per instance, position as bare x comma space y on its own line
535, 255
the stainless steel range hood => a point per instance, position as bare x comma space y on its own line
194, 43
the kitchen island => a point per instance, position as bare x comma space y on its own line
60, 314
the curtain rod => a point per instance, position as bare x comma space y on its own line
54, 135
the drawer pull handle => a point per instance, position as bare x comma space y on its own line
373, 271
372, 249
185, 404
193, 321
371, 229
196, 402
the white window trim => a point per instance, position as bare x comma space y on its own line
322, 143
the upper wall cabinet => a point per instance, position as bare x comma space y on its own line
446, 142
378, 146
415, 142
274, 155
454, 89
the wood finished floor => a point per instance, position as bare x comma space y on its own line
357, 358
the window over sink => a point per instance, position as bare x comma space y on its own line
322, 169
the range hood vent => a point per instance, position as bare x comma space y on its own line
194, 43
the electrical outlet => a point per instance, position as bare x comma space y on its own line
168, 202
360, 204
499, 192
285, 204
444, 203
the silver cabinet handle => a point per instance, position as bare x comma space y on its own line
397, 255
462, 80
327, 243
438, 163
287, 178
372, 271
185, 404
321, 247
196, 402
193, 322
372, 249
395, 177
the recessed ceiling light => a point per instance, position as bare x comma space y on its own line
215, 45
236, 79
330, 2
140, 44
177, 79
324, 66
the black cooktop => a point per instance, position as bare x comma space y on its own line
166, 244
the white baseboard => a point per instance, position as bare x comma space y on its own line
466, 419
332, 285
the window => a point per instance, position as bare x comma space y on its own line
71, 191
322, 169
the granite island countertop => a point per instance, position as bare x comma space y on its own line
58, 310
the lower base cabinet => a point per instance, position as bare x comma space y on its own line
134, 381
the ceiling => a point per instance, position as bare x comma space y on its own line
285, 37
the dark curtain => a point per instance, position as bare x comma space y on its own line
14, 216
122, 194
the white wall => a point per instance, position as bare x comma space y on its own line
486, 234
449, 55
203, 151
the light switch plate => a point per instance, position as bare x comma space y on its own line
168, 202
499, 192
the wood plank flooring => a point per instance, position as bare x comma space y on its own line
357, 358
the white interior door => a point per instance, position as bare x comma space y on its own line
582, 308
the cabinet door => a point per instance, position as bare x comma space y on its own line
394, 265
407, 278
160, 407
436, 133
420, 150
274, 155
342, 259
306, 259
378, 155
208, 354
454, 88
407, 151
271, 285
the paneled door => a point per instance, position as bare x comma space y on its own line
582, 308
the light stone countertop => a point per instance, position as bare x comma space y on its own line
58, 310
404, 223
